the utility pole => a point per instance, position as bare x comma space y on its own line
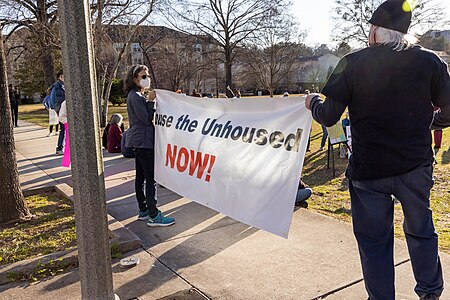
86, 156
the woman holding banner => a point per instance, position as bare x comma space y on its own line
141, 137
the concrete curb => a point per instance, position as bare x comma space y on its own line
121, 240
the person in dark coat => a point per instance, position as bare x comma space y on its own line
390, 88
60, 96
141, 137
14, 98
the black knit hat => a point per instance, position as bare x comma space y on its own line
393, 14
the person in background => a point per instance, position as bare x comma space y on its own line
195, 93
115, 134
343, 147
52, 115
141, 137
60, 96
303, 194
392, 81
324, 137
14, 98
309, 135
437, 136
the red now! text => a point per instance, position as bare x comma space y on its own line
190, 160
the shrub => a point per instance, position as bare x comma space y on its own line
117, 96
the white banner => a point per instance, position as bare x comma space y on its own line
241, 157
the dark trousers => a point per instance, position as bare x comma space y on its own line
373, 212
324, 136
15, 113
51, 128
62, 133
145, 165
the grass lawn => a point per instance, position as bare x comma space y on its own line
52, 230
331, 196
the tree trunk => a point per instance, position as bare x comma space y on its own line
228, 75
98, 38
48, 65
12, 204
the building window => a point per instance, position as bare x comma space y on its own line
136, 48
198, 47
118, 46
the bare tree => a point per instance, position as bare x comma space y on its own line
272, 56
129, 13
230, 22
12, 204
39, 17
352, 18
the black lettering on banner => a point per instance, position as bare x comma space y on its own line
276, 139
261, 138
246, 137
169, 121
217, 129
226, 130
205, 129
193, 126
297, 138
236, 133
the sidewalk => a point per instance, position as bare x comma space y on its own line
205, 250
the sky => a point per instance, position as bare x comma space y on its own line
315, 16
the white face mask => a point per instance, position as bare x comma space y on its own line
145, 83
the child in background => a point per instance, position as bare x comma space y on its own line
52, 115
115, 134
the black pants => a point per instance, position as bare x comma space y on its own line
62, 134
56, 128
145, 170
15, 114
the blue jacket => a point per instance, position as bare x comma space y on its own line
141, 133
60, 94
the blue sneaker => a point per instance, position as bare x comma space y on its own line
143, 215
160, 220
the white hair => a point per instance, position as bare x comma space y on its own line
116, 119
395, 39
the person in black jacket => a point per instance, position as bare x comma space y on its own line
390, 88
141, 137
60, 96
14, 98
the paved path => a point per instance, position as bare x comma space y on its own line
205, 250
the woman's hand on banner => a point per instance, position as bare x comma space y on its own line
309, 98
151, 95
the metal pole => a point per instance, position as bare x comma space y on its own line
86, 156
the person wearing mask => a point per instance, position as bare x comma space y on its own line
141, 137
59, 96
390, 88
